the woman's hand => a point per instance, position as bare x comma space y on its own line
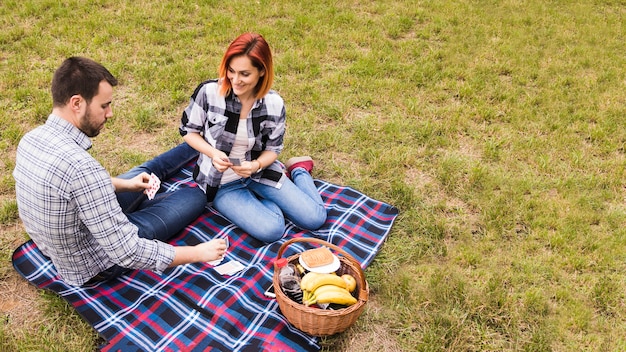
246, 169
220, 161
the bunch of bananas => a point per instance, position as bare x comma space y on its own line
327, 288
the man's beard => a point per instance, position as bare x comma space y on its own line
88, 127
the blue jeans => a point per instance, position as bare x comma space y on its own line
168, 213
260, 210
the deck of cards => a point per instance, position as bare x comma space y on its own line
154, 184
228, 268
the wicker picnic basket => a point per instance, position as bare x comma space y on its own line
313, 320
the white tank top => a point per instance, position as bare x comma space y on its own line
239, 150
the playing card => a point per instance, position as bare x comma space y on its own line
229, 268
215, 262
154, 184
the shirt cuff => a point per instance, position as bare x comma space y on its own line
165, 257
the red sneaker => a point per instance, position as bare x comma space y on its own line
305, 162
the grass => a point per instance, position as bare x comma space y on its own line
495, 127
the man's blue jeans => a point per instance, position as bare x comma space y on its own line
260, 210
168, 213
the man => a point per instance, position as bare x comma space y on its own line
94, 227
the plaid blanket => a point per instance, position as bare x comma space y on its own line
192, 307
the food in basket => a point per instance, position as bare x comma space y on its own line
313, 280
289, 279
325, 288
350, 282
331, 294
332, 318
317, 257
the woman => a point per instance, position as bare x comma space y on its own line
237, 123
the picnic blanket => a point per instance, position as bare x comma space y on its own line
192, 307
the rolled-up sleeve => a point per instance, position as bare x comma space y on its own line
274, 124
195, 114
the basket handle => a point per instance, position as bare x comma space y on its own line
283, 247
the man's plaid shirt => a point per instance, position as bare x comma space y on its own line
68, 205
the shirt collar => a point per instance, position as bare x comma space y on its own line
257, 102
62, 125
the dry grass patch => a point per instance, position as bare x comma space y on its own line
20, 308
19, 305
370, 333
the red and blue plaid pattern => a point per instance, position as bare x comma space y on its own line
192, 307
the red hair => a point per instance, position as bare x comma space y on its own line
258, 51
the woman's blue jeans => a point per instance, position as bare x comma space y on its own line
260, 210
168, 213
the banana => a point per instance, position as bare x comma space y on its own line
304, 282
326, 288
305, 296
332, 294
343, 299
322, 279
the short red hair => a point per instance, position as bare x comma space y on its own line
255, 47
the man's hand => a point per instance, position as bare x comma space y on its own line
138, 183
203, 252
212, 250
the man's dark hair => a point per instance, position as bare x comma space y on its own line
78, 76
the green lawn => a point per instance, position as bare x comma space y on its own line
496, 127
